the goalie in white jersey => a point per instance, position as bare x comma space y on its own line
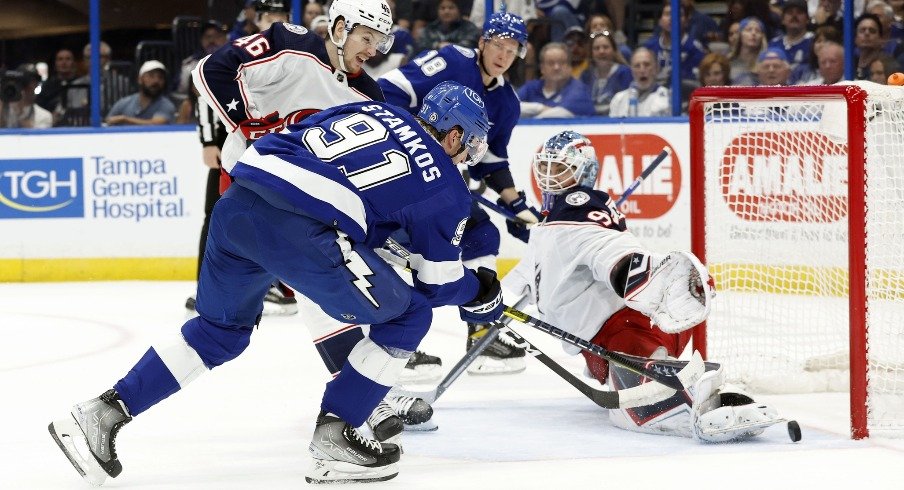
589, 275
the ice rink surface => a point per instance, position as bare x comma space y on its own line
247, 424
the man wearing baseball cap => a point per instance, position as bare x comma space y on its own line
772, 67
797, 41
149, 105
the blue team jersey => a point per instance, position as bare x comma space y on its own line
583, 204
798, 52
369, 169
407, 86
692, 53
574, 96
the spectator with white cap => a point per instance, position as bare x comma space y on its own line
148, 106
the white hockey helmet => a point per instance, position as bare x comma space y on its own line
576, 161
369, 13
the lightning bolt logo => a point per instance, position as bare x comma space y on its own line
361, 271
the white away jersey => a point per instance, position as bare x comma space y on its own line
284, 69
569, 258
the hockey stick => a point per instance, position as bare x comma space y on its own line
678, 380
505, 213
638, 396
667, 375
666, 151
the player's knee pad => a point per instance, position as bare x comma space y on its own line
214, 343
407, 330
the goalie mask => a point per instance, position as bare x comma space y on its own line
566, 160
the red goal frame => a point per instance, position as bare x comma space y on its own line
855, 98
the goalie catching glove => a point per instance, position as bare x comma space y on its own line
487, 306
675, 291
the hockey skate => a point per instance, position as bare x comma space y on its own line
386, 425
88, 437
416, 414
342, 455
503, 356
280, 301
421, 368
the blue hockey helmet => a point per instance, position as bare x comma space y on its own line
450, 104
506, 25
566, 160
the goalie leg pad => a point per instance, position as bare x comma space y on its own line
630, 332
674, 290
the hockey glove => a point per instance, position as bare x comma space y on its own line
675, 291
255, 129
487, 306
527, 214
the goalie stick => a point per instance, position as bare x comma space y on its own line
505, 213
667, 375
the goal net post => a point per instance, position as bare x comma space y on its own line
797, 208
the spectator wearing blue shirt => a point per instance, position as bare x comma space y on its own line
608, 72
149, 106
797, 41
562, 15
692, 52
700, 26
556, 93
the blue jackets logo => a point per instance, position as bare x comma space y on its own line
41, 188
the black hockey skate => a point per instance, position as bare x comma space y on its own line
415, 413
386, 425
280, 301
88, 437
421, 368
503, 356
342, 455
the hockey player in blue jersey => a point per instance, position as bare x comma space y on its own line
504, 37
309, 206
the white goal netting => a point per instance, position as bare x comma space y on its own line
775, 206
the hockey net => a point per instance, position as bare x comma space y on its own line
810, 295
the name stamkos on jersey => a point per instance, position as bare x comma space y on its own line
295, 28
577, 198
413, 143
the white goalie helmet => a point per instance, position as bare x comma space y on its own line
565, 161
374, 14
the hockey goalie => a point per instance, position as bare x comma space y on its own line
587, 274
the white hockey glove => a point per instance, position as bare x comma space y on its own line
674, 290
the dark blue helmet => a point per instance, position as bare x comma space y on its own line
506, 25
450, 104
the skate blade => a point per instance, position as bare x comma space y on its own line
428, 426
485, 365
421, 374
71, 440
330, 471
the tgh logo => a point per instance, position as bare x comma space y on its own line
41, 188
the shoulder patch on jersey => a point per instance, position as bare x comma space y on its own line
577, 198
295, 28
459, 232
467, 52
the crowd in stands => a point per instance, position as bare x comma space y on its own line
579, 62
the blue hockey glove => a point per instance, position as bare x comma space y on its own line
527, 214
486, 307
